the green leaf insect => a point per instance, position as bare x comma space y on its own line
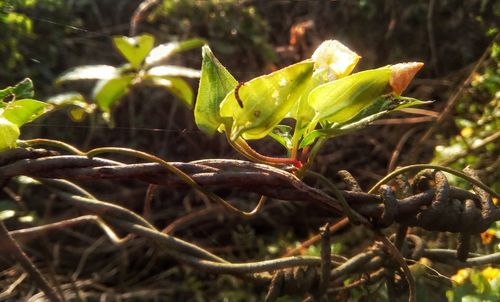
134, 49
257, 106
215, 83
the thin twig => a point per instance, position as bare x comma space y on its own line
475, 148
11, 248
450, 104
437, 167
304, 245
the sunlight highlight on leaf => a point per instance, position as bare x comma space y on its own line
265, 100
215, 83
134, 49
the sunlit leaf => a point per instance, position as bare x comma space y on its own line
75, 100
21, 90
89, 72
77, 114
6, 214
264, 101
24, 111
106, 92
215, 83
340, 100
173, 71
301, 111
9, 133
164, 51
27, 218
68, 98
24, 89
176, 86
26, 180
134, 49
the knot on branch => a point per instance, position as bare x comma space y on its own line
314, 281
430, 203
296, 280
450, 212
413, 247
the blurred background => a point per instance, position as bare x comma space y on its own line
41, 39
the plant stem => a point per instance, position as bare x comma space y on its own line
297, 133
52, 143
244, 148
312, 155
353, 216
185, 177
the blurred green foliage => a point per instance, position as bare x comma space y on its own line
30, 43
475, 285
145, 65
477, 122
233, 27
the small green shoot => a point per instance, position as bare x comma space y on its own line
318, 93
16, 109
144, 66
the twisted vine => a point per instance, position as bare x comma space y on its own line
429, 203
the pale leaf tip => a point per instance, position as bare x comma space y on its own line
402, 74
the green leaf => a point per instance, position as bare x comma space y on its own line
9, 133
340, 100
301, 110
77, 114
22, 90
106, 92
266, 100
215, 83
480, 283
385, 105
68, 98
283, 135
134, 49
173, 71
163, 52
24, 111
6, 214
177, 87
74, 99
379, 108
88, 72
